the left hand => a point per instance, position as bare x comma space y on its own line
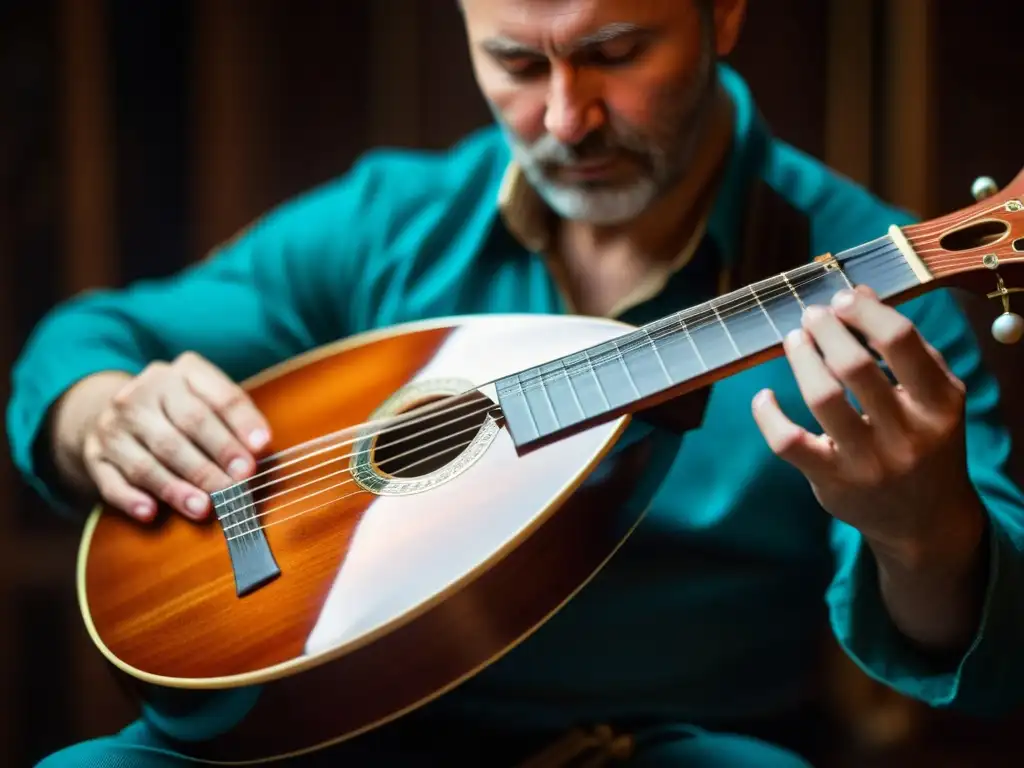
897, 473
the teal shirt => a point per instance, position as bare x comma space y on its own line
714, 608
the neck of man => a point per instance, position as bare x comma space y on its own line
665, 228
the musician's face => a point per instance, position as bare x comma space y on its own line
601, 100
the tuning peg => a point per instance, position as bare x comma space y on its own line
983, 186
1008, 328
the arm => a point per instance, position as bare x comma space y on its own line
275, 291
945, 627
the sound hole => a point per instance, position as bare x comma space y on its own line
1018, 245
975, 235
433, 433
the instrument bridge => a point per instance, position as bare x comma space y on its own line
252, 561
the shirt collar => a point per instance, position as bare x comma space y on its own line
527, 217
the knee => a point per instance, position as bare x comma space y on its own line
79, 756
701, 749
109, 752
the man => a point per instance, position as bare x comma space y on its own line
614, 184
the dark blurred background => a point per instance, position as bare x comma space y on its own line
134, 136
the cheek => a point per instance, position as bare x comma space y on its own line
642, 98
633, 103
522, 107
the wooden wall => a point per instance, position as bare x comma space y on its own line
135, 136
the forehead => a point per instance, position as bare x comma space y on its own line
545, 23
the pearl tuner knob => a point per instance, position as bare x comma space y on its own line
1008, 328
983, 187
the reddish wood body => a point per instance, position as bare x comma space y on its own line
160, 600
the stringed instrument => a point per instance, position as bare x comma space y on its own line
440, 489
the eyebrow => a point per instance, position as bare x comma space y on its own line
506, 46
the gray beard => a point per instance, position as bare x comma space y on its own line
665, 160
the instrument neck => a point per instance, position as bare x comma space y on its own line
691, 348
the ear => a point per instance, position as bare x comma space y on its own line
729, 15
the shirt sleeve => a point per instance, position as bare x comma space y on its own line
989, 677
277, 289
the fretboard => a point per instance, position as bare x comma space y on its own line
687, 349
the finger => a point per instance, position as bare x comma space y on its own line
854, 367
896, 339
198, 423
813, 455
144, 471
114, 488
228, 400
824, 395
957, 384
179, 454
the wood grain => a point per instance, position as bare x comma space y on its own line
159, 593
466, 570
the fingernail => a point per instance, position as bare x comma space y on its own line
238, 468
794, 337
195, 505
259, 438
843, 299
815, 310
143, 511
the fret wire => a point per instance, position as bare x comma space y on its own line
725, 328
526, 402
842, 272
572, 387
625, 367
890, 256
597, 379
547, 399
657, 356
693, 344
792, 290
878, 264
765, 313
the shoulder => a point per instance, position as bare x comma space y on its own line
841, 212
386, 189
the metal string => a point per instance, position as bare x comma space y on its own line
662, 328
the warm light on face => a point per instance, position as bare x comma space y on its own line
600, 99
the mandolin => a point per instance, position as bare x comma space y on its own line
438, 490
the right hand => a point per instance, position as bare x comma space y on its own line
175, 433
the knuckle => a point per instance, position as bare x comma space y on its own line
126, 393
856, 368
109, 489
191, 420
128, 400
188, 359
786, 444
140, 473
902, 333
107, 422
232, 399
154, 371
92, 448
166, 444
207, 477
826, 398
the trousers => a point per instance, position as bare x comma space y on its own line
677, 746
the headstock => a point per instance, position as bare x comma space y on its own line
980, 248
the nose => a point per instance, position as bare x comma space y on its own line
572, 111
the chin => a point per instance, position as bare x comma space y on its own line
607, 207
